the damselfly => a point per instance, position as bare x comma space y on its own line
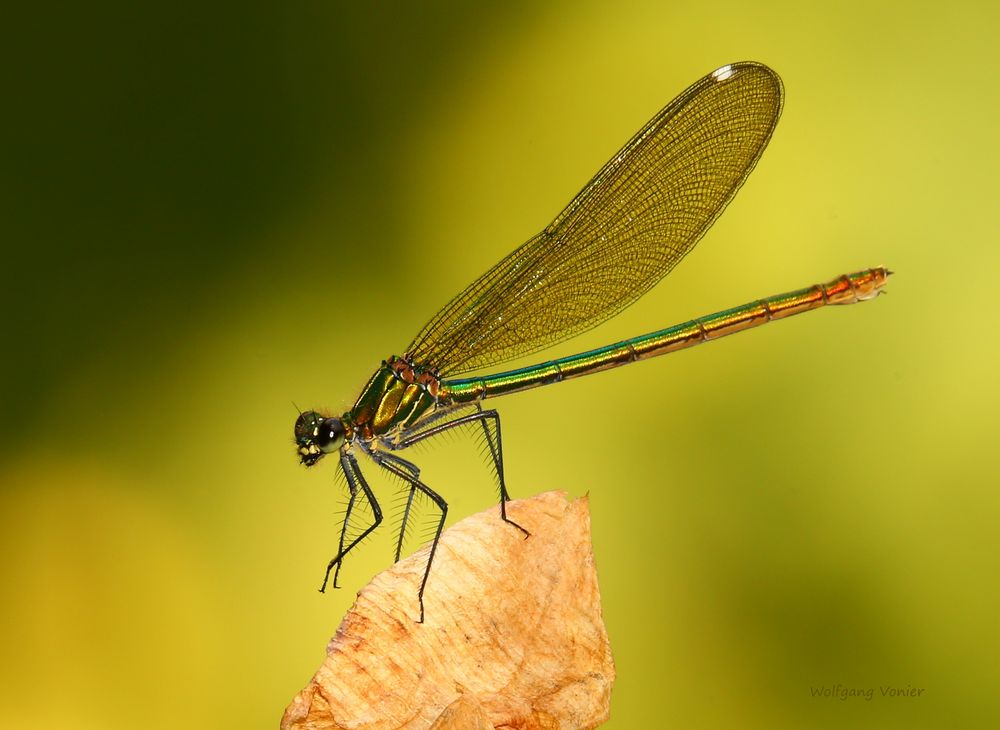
631, 224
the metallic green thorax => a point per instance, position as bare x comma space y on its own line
393, 398
843, 290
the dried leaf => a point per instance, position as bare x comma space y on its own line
513, 635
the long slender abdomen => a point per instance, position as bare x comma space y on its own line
847, 289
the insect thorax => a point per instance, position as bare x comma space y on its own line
397, 395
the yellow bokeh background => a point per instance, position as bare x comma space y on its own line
212, 213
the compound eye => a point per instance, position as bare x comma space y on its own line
307, 426
330, 435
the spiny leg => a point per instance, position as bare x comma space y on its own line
415, 483
490, 422
403, 463
496, 451
411, 493
355, 481
353, 488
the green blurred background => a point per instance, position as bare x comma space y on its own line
211, 211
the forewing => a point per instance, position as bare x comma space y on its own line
631, 224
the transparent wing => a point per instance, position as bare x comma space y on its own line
631, 224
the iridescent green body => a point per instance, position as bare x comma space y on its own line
846, 289
402, 393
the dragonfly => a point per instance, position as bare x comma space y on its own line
627, 229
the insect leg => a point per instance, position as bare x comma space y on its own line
490, 422
352, 487
392, 466
414, 471
355, 481
496, 451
